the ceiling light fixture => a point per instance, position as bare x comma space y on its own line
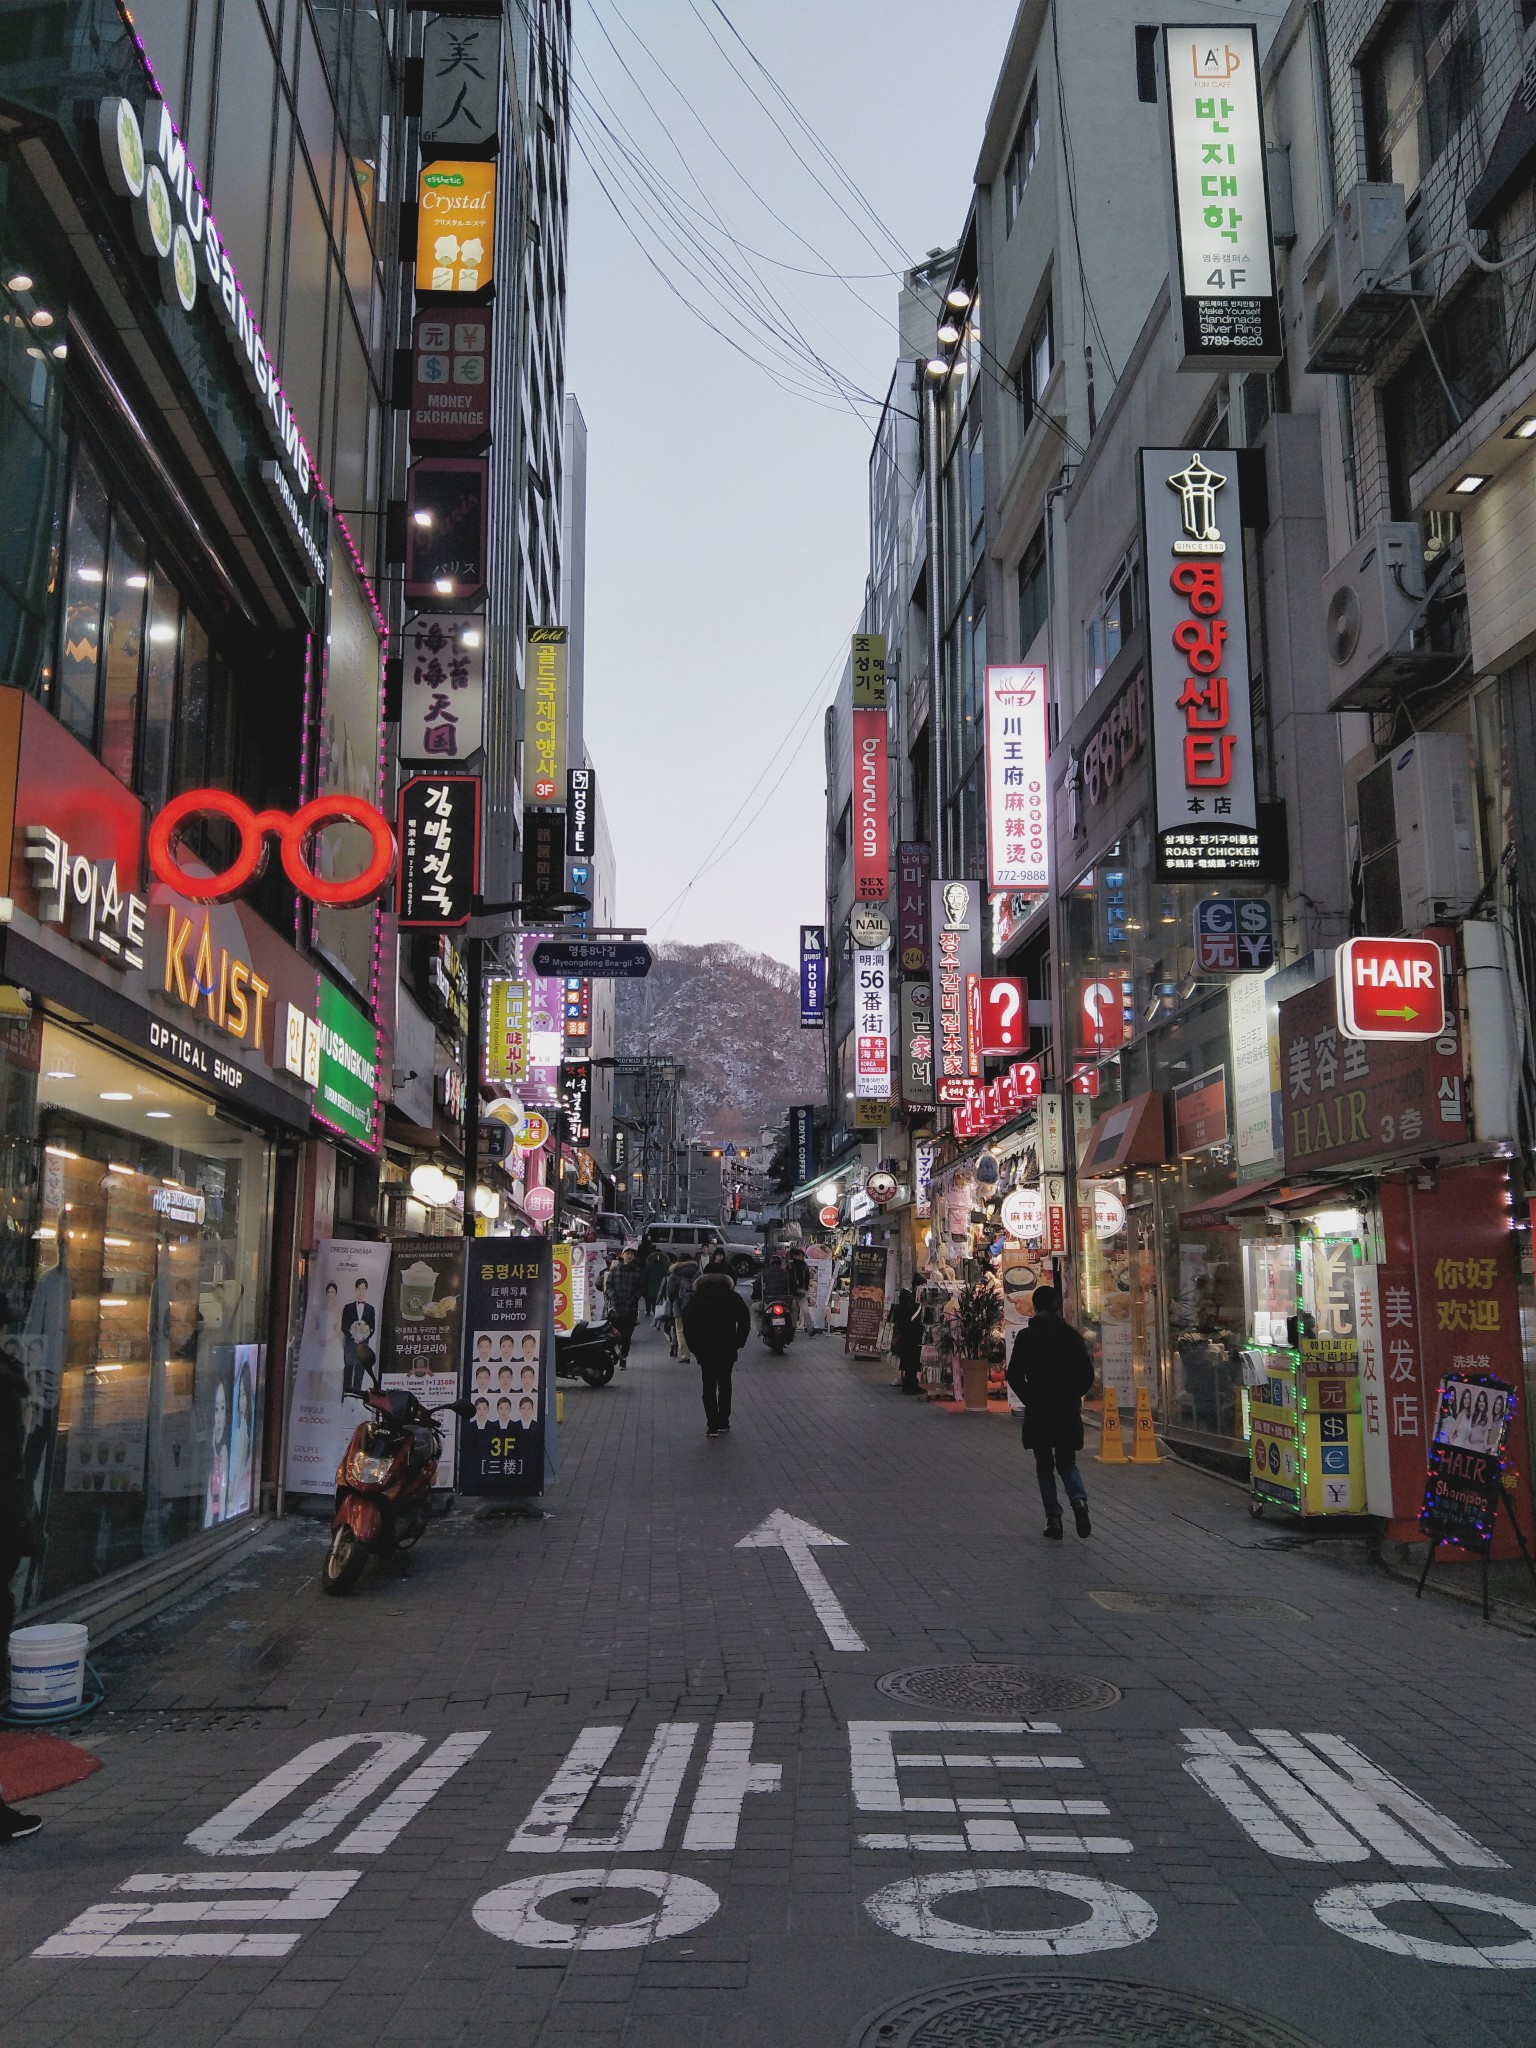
958, 297
443, 585
423, 519
1466, 486
949, 334
1523, 429
18, 281
42, 317
117, 1095
938, 366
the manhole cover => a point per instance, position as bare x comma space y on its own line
997, 1689
1066, 2012
1197, 1603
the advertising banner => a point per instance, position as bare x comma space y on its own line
506, 1033
446, 527
1248, 1037
344, 1298
917, 1059
813, 977
866, 1300
450, 378
508, 1333
546, 1024
347, 1098
455, 226
956, 925
868, 671
1225, 308
871, 809
421, 1347
544, 679
460, 82
1197, 663
1466, 1459
439, 839
576, 1100
914, 874
872, 1025
1018, 831
442, 689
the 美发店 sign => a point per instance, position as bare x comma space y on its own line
544, 680
1390, 988
1344, 1099
871, 809
455, 226
1207, 820
439, 851
1222, 265
1018, 839
442, 692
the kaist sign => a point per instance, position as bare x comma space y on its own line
1390, 988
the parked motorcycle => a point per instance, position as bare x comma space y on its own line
775, 1325
590, 1352
384, 1482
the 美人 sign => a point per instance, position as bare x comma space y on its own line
348, 1092
1222, 262
1018, 842
455, 226
1390, 988
544, 744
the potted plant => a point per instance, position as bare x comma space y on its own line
978, 1312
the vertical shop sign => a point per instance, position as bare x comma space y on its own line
450, 378
421, 1346
1052, 1134
1465, 1481
506, 1036
956, 927
1101, 1013
461, 75
871, 809
543, 855
442, 691
922, 1176
802, 1133
866, 1300
1200, 1112
1054, 1187
914, 873
576, 1101
445, 527
1248, 1036
1346, 1099
813, 977
544, 739
580, 801
1225, 308
456, 226
917, 1049
347, 1098
868, 658
872, 1024
1018, 835
439, 851
1197, 660
508, 1449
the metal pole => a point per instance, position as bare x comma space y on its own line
475, 961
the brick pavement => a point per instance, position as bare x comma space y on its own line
631, 1609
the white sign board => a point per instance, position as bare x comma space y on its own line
872, 1024
1018, 836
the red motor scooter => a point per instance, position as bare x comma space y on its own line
384, 1482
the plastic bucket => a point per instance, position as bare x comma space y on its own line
47, 1669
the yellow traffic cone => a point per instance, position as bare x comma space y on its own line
1111, 1443
1145, 1451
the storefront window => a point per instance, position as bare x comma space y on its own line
134, 1282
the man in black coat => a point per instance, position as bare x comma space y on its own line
1051, 1371
17, 1539
716, 1323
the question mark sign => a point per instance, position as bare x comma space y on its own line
1097, 997
1007, 1003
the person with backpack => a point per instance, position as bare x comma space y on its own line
622, 1284
716, 1323
1050, 1371
677, 1293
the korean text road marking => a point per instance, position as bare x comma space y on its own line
1116, 1918
511, 1912
228, 1895
728, 1776
1355, 1910
990, 1823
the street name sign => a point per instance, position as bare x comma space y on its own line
596, 959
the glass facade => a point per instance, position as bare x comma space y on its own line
133, 1270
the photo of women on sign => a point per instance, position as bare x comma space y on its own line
216, 1492
242, 1430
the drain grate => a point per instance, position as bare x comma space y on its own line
997, 1689
1198, 1603
1045, 2012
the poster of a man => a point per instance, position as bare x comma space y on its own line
358, 1330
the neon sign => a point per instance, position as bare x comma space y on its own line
294, 832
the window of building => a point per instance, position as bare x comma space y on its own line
1468, 340
1113, 619
1021, 158
1034, 590
1418, 82
1042, 353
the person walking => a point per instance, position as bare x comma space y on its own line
677, 1294
716, 1323
622, 1284
1051, 1371
656, 1263
907, 1330
16, 1531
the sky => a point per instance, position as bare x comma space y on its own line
727, 524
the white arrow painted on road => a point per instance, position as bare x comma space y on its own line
786, 1532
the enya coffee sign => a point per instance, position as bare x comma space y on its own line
1390, 988
1197, 657
439, 851
871, 809
295, 833
1018, 838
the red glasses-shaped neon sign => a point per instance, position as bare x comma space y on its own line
294, 831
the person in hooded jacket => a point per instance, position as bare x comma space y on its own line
677, 1292
1050, 1371
716, 1323
907, 1331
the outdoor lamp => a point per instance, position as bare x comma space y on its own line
938, 366
949, 334
958, 297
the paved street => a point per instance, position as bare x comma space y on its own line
679, 1815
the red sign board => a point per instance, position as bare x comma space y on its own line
1344, 1100
1101, 1014
1085, 1080
1004, 1019
1390, 988
828, 1216
871, 809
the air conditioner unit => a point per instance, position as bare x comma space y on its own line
1370, 599
1418, 835
1346, 312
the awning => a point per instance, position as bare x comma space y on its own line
1221, 1212
849, 1156
1132, 1135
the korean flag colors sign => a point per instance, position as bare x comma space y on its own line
1018, 855
1197, 660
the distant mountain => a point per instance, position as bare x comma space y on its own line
732, 1018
